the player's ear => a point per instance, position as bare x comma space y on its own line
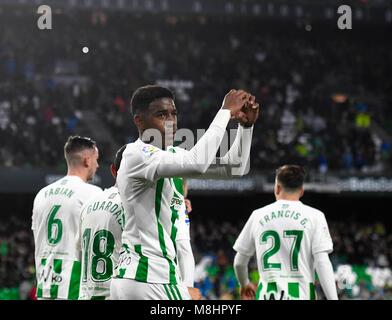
302, 192
86, 160
113, 171
138, 120
277, 189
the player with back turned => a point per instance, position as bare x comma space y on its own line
101, 226
151, 187
291, 240
56, 218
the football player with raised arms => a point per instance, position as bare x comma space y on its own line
151, 187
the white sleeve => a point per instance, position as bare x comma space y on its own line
245, 243
236, 161
322, 241
241, 268
34, 215
78, 236
186, 262
160, 163
325, 273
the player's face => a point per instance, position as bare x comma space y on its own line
93, 163
162, 115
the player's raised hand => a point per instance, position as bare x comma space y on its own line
235, 101
248, 115
194, 293
248, 292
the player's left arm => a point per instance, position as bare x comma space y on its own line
325, 273
322, 245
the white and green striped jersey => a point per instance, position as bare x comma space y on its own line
151, 191
101, 225
55, 224
285, 235
151, 223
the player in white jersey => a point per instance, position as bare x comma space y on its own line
291, 241
55, 222
101, 225
151, 188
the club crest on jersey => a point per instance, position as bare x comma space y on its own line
149, 150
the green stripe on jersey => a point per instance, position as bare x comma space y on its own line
167, 292
272, 287
74, 283
294, 290
259, 288
121, 273
178, 292
173, 231
178, 185
54, 288
142, 267
39, 285
312, 291
173, 293
158, 199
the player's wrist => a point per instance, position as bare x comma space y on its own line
244, 284
247, 125
226, 108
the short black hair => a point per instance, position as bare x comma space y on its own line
143, 96
291, 177
76, 144
118, 157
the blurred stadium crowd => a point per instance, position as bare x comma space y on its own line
325, 104
325, 98
362, 259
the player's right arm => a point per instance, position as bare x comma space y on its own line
321, 246
245, 248
158, 163
248, 289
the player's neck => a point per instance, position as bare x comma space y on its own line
77, 172
153, 142
288, 197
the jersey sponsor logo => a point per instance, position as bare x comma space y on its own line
124, 260
49, 276
275, 296
176, 203
149, 150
